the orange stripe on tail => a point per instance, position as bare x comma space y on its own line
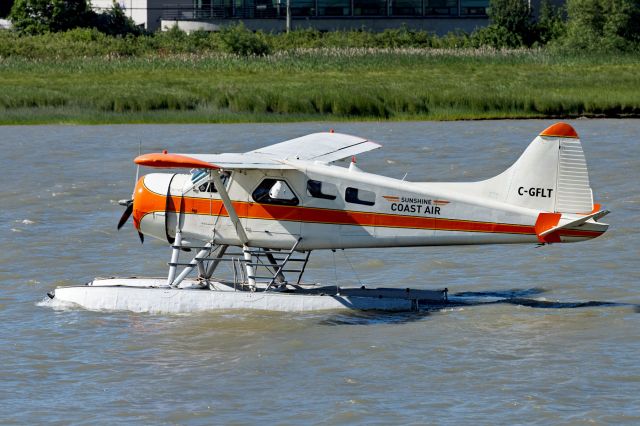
560, 130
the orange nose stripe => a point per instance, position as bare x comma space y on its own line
145, 201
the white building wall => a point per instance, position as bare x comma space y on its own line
141, 11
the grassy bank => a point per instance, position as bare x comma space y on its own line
318, 84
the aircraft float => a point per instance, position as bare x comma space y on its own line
263, 212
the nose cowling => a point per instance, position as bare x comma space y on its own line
139, 202
150, 204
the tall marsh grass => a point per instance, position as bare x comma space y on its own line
319, 83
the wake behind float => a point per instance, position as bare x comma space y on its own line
279, 203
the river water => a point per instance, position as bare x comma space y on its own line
538, 356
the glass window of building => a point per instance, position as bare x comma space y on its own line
299, 7
474, 7
267, 9
369, 7
441, 7
334, 7
406, 8
222, 8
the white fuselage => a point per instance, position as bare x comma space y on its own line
342, 208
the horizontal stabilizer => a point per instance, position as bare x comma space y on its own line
547, 225
577, 222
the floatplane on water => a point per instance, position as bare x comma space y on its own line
264, 212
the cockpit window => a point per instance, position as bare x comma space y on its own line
200, 179
318, 189
275, 191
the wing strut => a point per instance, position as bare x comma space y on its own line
229, 207
242, 235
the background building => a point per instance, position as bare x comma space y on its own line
439, 16
147, 13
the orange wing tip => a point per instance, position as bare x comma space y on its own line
560, 130
172, 161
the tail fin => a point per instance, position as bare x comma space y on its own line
551, 175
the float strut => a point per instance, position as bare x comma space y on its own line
202, 254
174, 257
249, 267
215, 262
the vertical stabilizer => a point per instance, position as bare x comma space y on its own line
551, 175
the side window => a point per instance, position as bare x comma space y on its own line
318, 189
275, 191
360, 196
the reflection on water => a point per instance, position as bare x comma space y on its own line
530, 335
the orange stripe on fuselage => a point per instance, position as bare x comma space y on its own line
151, 202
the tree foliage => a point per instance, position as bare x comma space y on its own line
40, 16
596, 25
115, 22
550, 24
513, 16
602, 25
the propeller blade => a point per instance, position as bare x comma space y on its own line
125, 215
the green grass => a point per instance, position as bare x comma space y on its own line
320, 84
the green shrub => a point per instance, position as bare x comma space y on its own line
237, 39
495, 36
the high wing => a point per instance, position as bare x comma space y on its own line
325, 147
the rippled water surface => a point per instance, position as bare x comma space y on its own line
540, 355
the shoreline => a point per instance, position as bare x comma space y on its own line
184, 119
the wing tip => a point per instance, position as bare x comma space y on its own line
164, 160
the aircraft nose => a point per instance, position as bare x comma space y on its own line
140, 201
150, 204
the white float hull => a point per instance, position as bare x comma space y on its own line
143, 295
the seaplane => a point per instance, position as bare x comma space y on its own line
262, 213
